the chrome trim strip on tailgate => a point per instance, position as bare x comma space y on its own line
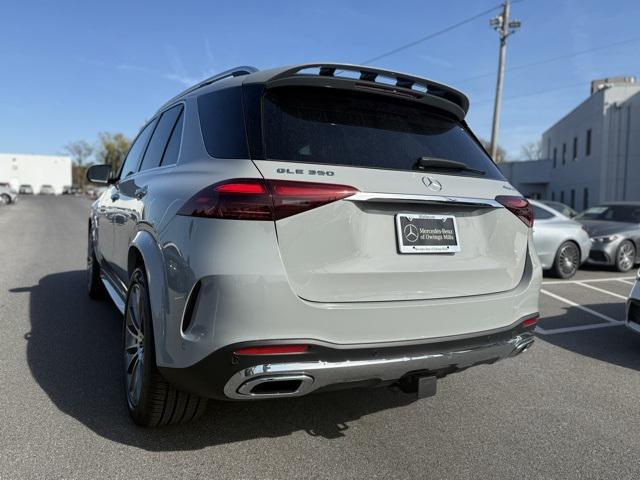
401, 197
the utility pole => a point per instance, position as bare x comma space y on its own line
504, 27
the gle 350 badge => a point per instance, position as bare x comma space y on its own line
302, 171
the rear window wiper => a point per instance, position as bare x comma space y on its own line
432, 163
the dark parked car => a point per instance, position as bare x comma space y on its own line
25, 189
614, 229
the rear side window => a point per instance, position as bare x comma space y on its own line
222, 123
334, 127
541, 213
170, 156
160, 138
130, 164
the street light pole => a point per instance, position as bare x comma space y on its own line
504, 27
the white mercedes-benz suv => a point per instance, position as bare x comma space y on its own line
281, 232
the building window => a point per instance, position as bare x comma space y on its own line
585, 198
564, 153
561, 196
573, 198
575, 148
553, 196
588, 144
555, 156
548, 148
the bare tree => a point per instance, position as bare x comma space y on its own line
501, 153
79, 150
532, 150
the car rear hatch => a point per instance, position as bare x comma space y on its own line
402, 231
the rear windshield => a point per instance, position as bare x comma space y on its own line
614, 213
334, 127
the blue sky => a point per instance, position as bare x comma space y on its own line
71, 69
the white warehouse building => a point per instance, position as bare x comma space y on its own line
35, 170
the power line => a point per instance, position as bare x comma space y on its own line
549, 60
431, 35
539, 92
530, 94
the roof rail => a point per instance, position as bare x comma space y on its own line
232, 72
400, 82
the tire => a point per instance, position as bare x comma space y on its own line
625, 256
95, 288
6, 199
151, 400
567, 260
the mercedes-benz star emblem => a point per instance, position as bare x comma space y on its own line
432, 184
411, 232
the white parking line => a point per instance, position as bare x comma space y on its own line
581, 307
610, 322
588, 280
628, 282
554, 331
602, 290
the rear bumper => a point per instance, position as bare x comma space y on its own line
238, 292
226, 375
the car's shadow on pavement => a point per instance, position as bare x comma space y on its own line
616, 344
73, 352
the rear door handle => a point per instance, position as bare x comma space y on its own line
140, 192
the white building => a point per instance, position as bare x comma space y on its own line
35, 170
592, 154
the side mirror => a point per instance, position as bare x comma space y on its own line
99, 173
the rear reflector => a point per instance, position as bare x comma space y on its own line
529, 322
272, 350
519, 206
257, 199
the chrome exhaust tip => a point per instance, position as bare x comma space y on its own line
276, 386
522, 344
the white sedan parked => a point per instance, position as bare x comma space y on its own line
7, 194
562, 244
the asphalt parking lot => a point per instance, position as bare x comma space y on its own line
567, 408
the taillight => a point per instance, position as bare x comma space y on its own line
236, 199
519, 206
272, 350
290, 198
257, 199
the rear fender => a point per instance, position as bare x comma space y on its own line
145, 247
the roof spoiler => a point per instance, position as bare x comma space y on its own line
368, 78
